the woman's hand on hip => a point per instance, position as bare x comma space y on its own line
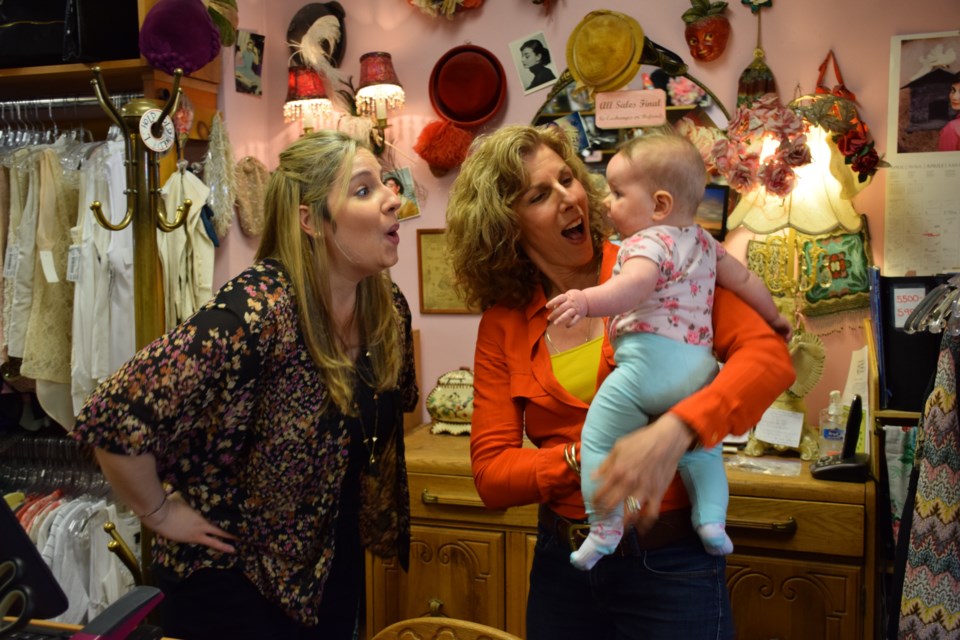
642, 465
180, 522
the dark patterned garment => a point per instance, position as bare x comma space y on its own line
230, 403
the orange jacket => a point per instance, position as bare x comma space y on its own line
516, 394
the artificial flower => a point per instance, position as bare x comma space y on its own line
685, 92
738, 157
703, 138
850, 134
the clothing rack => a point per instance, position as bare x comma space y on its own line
65, 102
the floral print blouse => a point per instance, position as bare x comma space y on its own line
681, 305
229, 403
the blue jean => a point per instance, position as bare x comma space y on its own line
676, 592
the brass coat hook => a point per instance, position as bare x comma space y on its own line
148, 132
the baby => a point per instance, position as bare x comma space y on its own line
661, 300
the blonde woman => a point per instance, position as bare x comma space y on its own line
262, 439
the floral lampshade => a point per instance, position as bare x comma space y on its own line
306, 95
796, 167
379, 89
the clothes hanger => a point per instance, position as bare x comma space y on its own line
939, 310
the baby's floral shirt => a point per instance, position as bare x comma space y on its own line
681, 305
229, 403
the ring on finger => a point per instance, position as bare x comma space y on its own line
633, 505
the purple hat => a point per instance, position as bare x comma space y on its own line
179, 34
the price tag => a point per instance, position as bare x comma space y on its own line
905, 300
73, 263
10, 261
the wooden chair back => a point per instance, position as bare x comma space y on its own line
439, 628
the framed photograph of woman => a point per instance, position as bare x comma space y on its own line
534, 62
926, 101
248, 62
401, 182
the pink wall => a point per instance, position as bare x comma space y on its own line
795, 35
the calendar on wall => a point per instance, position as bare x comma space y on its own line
922, 222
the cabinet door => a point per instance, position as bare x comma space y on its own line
453, 572
794, 599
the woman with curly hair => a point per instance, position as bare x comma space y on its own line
524, 224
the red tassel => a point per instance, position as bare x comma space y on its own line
443, 145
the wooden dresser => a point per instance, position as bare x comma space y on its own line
803, 566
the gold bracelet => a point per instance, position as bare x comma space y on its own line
570, 455
157, 510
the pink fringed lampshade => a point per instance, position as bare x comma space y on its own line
379, 86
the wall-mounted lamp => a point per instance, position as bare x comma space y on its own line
307, 97
379, 91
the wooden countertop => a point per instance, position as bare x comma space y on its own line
446, 454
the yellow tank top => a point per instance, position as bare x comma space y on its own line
576, 369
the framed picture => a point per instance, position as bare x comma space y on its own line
401, 183
534, 62
572, 125
713, 210
437, 292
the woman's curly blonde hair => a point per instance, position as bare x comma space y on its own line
483, 232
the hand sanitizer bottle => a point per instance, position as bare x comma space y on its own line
831, 427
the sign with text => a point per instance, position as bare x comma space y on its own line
779, 426
623, 109
905, 300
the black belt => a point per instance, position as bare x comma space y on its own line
672, 526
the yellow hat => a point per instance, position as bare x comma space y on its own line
603, 52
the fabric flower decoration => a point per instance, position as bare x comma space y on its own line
703, 138
685, 92
850, 134
738, 157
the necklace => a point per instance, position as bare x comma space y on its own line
370, 441
550, 344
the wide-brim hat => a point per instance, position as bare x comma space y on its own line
467, 85
604, 50
306, 17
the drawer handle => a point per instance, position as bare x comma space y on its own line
786, 527
430, 498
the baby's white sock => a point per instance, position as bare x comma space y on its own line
587, 555
715, 539
602, 541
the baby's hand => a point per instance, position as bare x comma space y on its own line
568, 308
782, 326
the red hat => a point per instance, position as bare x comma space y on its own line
179, 34
467, 85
